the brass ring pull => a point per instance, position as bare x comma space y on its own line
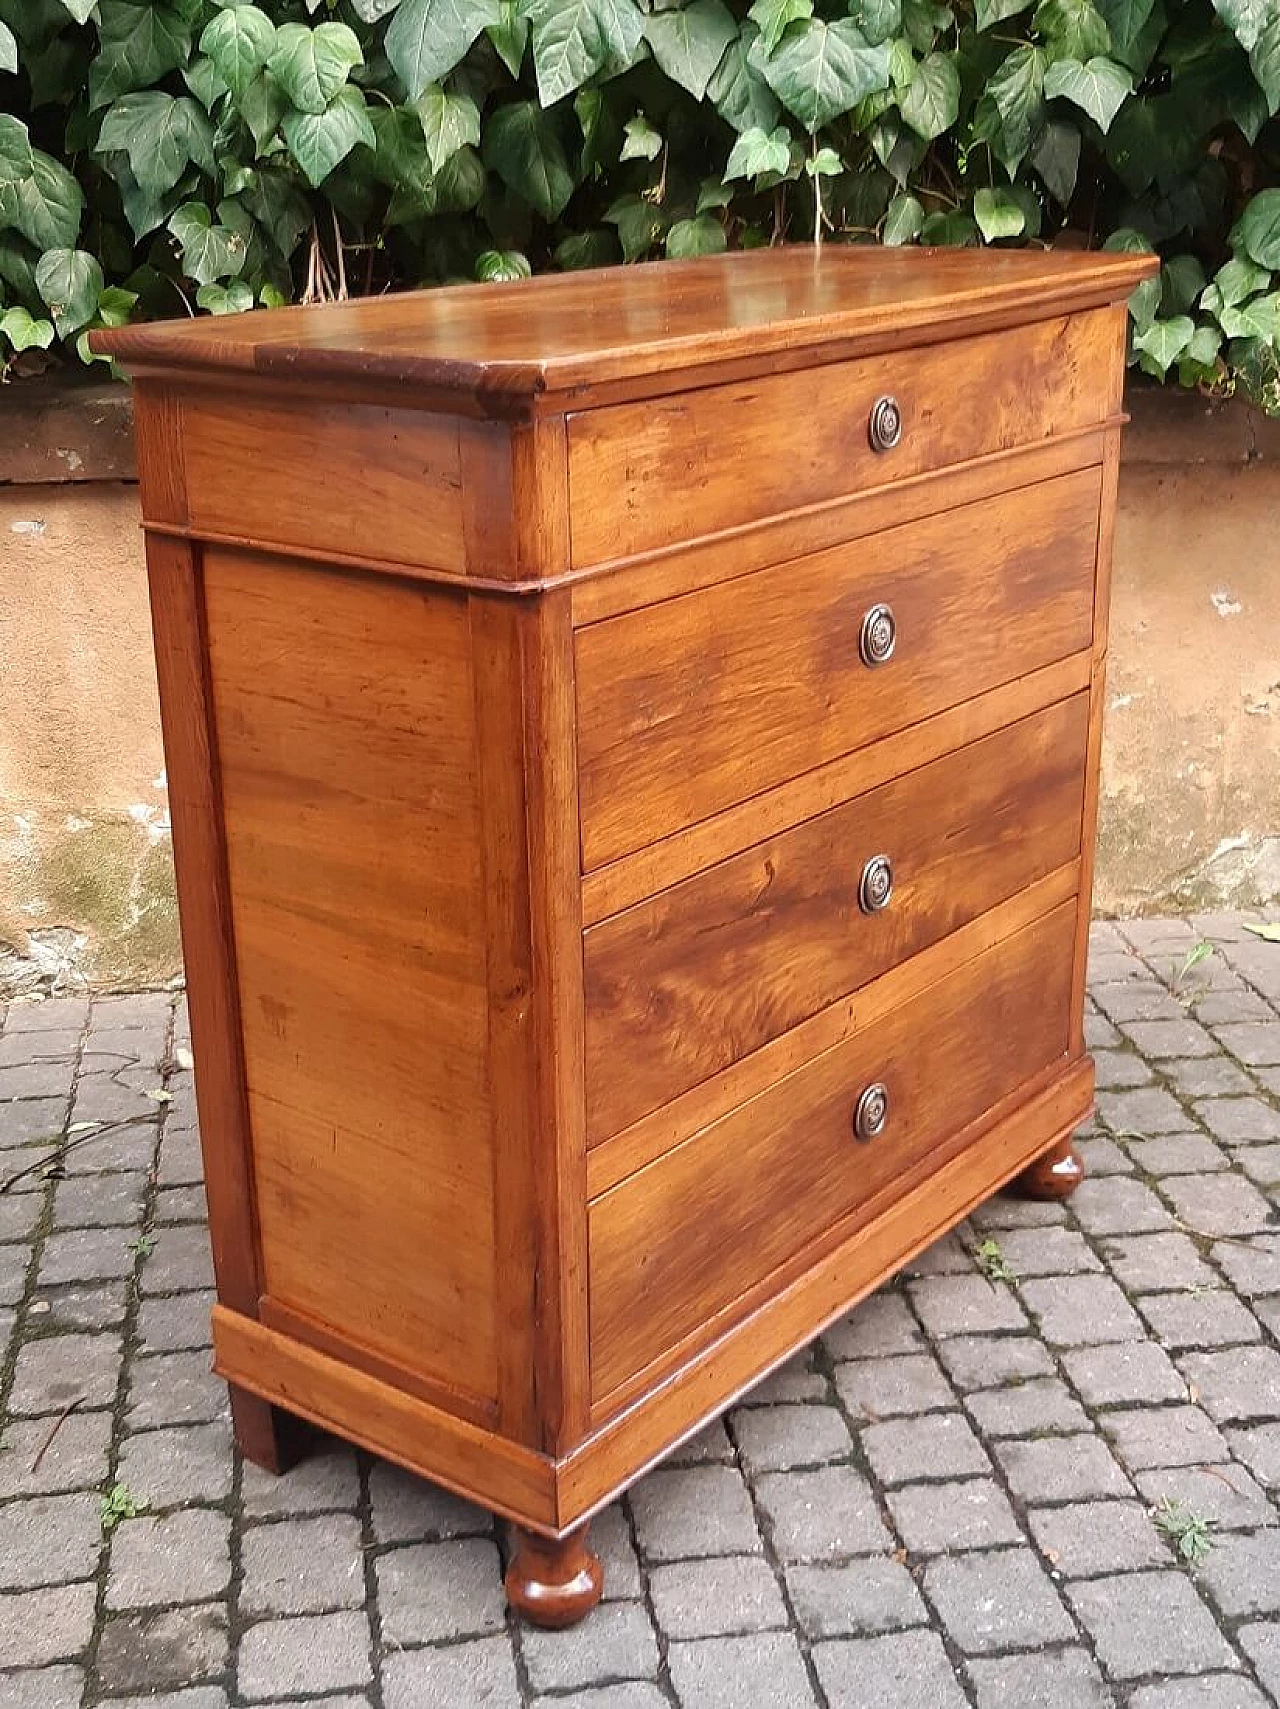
884, 429
875, 887
871, 1114
878, 636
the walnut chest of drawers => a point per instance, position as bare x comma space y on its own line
632, 740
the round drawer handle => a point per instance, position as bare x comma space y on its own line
884, 429
875, 887
871, 1115
878, 636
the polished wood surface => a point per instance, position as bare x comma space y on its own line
706, 700
524, 766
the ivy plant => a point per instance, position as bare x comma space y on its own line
162, 157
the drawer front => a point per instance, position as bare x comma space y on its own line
681, 985
681, 1241
705, 700
652, 474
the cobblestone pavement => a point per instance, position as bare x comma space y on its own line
951, 1499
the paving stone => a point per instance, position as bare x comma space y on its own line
1261, 1163
118, 1096
1147, 1110
709, 1446
776, 1438
201, 1697
1061, 1468
986, 1361
129, 1147
164, 1649
1212, 1319
87, 1305
1164, 1436
1007, 1210
181, 1163
1262, 1646
611, 1541
76, 1456
909, 1670
28, 1122
174, 1388
326, 1481
999, 1601
46, 1014
42, 1626
795, 1382
1181, 1038
35, 1078
1207, 1077
1099, 1034
1150, 1623
51, 1539
880, 1327
1047, 1252
281, 1658
855, 1599
1255, 1042
145, 1010
178, 1557
1077, 1311
941, 1518
1118, 1207
179, 1262
52, 1373
170, 1467
1237, 1385
180, 1205
1259, 1448
14, 1261
99, 1201
42, 1688
631, 1694
302, 1566
1251, 1265
480, 1674
950, 1256
1219, 1691
1219, 1204
1124, 1373
84, 1255
888, 1388
821, 1515
710, 1598
688, 1511
1034, 1408
18, 1214
1119, 1069
176, 1324
1096, 1537
1242, 1573
965, 1305
726, 1673
1055, 1679
617, 1642
408, 1509
1178, 1154
1239, 1121
1234, 1003
1146, 1262
937, 1445
1101, 1156
1223, 1494
433, 1591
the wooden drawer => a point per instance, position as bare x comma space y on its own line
709, 698
673, 1249
685, 983
649, 475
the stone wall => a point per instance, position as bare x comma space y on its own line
1190, 812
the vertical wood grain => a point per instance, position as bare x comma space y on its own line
158, 430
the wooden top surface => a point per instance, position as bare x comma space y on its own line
572, 332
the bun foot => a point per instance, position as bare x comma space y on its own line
1054, 1175
266, 1435
553, 1584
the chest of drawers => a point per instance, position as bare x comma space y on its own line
632, 742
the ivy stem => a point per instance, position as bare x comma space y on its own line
817, 196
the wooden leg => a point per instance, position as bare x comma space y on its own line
553, 1584
265, 1434
1054, 1175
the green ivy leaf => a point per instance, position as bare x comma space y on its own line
321, 141
209, 252
1016, 92
738, 91
427, 38
1264, 60
596, 248
1257, 231
140, 43
1056, 157
46, 205
576, 39
757, 151
262, 107
701, 236
312, 65
521, 144
1075, 29
1232, 283
510, 35
1161, 343
1098, 87
639, 224
449, 122
498, 265
988, 12
233, 298
822, 70
998, 214
1244, 18
279, 207
772, 17
931, 104
69, 281
1258, 318
115, 306
160, 135
955, 229
239, 41
877, 19
8, 48
17, 158
903, 221
924, 20
641, 142
1144, 300
80, 10
1199, 360
1181, 282
24, 333
689, 43
370, 11
1126, 20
